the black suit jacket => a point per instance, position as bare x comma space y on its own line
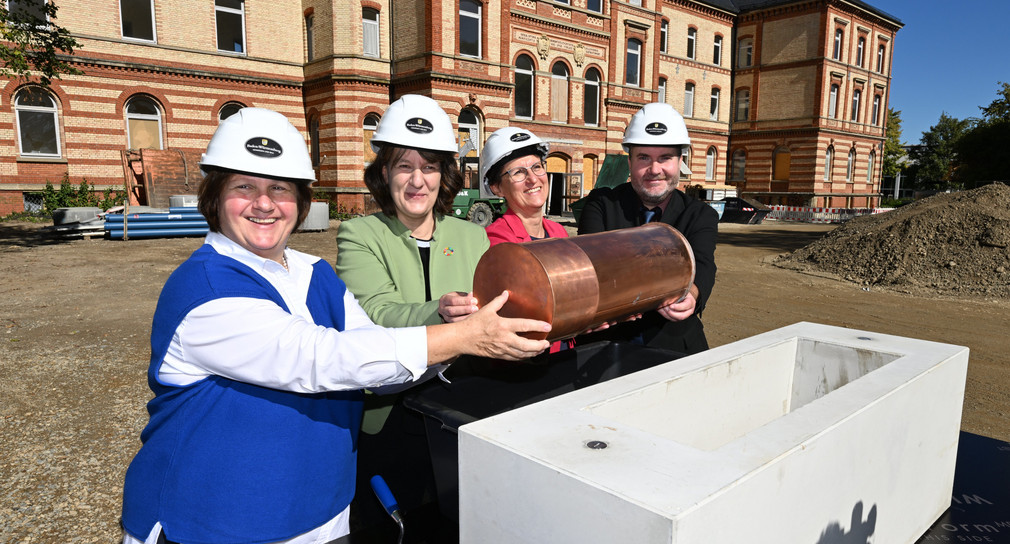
619, 207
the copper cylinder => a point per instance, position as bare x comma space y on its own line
582, 282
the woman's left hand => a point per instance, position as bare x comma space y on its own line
455, 306
675, 310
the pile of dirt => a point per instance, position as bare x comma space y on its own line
950, 244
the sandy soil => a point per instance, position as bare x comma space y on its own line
75, 318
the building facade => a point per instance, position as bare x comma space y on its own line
785, 101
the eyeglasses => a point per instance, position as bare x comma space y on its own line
519, 173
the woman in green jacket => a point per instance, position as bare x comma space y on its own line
410, 264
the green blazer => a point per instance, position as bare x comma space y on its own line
380, 263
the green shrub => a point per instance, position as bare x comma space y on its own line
84, 195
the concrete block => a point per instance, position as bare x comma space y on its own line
806, 434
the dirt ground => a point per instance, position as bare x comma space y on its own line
75, 318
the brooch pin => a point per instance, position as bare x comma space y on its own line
448, 251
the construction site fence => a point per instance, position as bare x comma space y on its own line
819, 215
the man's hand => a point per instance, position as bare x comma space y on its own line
674, 310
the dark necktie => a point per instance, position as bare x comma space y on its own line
649, 215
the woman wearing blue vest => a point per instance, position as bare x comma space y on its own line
258, 358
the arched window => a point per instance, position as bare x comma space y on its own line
38, 123
588, 173
229, 109
710, 158
869, 167
829, 159
713, 110
685, 154
717, 50
314, 139
856, 96
692, 42
633, 62
469, 28
559, 92
745, 53
739, 164
833, 101
143, 124
368, 126
469, 130
876, 109
850, 165
743, 104
591, 102
781, 160
524, 87
689, 100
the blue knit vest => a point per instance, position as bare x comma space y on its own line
228, 462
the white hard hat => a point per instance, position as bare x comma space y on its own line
260, 142
656, 124
501, 143
418, 122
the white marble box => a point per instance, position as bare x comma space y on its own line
809, 434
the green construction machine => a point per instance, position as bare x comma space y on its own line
475, 205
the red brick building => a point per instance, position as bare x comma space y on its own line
769, 89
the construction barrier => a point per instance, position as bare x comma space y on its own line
819, 215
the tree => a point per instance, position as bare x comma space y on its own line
936, 154
999, 109
893, 152
981, 152
30, 42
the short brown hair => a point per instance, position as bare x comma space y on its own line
209, 196
378, 185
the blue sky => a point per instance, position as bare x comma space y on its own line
949, 57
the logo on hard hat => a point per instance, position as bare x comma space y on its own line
655, 129
264, 147
419, 125
520, 137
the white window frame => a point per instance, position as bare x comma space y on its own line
717, 50
531, 72
692, 43
876, 110
52, 110
233, 11
713, 108
869, 166
661, 90
220, 113
595, 104
478, 16
857, 96
144, 117
664, 34
833, 101
860, 51
559, 82
836, 52
829, 159
370, 29
637, 52
880, 58
850, 165
745, 53
689, 100
710, 163
154, 26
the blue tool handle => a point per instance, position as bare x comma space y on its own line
384, 495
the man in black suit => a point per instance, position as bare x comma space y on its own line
654, 140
